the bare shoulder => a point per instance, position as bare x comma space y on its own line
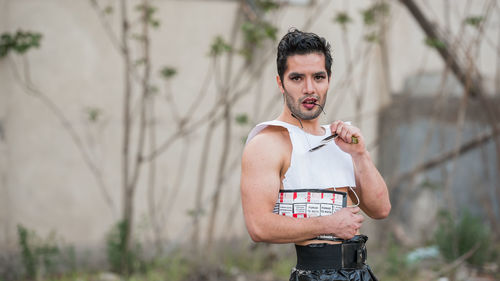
271, 143
262, 164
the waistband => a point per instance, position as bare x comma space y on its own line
351, 254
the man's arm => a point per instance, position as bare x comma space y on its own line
260, 183
370, 186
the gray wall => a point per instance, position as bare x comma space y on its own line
421, 129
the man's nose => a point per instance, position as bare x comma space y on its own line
309, 86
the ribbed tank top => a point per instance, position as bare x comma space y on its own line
328, 167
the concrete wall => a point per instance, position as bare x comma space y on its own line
45, 185
422, 130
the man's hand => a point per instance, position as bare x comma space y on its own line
370, 186
344, 141
347, 222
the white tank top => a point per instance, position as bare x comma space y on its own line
328, 167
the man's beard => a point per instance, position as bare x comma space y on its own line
295, 107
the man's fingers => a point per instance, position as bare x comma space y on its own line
344, 130
344, 134
339, 129
360, 218
348, 137
354, 210
334, 125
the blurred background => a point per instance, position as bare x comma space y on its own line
122, 124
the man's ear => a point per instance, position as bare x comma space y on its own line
280, 84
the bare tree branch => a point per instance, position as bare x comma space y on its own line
49, 103
226, 144
200, 187
446, 53
127, 190
456, 263
107, 27
440, 159
152, 210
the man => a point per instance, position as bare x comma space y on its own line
286, 155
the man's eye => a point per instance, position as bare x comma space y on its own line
295, 78
320, 77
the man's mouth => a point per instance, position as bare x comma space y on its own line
309, 103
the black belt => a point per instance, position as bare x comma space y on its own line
351, 254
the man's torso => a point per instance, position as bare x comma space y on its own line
281, 136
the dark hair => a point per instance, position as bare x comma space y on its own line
296, 42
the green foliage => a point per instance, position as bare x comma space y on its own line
247, 261
153, 90
155, 23
371, 16
427, 184
435, 43
93, 114
140, 61
392, 264
474, 21
121, 258
256, 33
35, 252
281, 267
267, 5
28, 256
219, 46
20, 42
455, 238
242, 119
371, 37
256, 259
115, 243
168, 72
396, 266
176, 267
138, 37
342, 18
108, 10
148, 12
69, 254
375, 13
196, 212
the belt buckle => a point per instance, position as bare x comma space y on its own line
361, 255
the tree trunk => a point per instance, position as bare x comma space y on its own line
127, 203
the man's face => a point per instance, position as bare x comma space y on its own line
305, 83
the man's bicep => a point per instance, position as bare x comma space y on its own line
260, 176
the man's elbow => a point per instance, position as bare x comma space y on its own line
255, 237
257, 234
382, 213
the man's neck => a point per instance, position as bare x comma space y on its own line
310, 126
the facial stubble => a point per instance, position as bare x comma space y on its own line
295, 107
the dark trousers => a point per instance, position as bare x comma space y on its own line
363, 274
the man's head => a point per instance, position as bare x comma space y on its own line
296, 42
304, 70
